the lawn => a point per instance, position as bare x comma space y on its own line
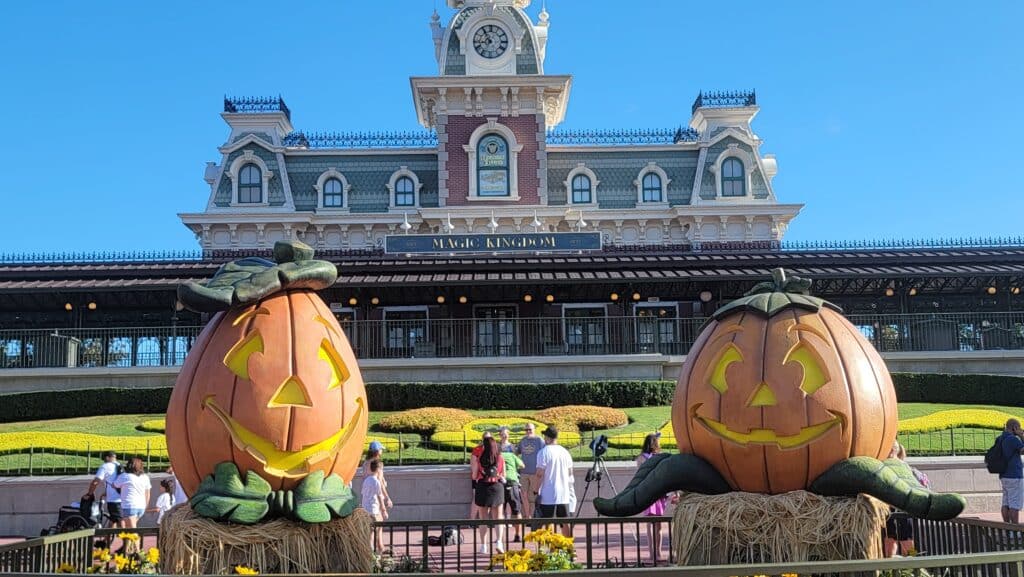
413, 449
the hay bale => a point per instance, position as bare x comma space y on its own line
192, 545
792, 527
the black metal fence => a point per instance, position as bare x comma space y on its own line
581, 331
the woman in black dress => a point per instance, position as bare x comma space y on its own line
489, 496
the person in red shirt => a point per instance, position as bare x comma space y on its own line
488, 470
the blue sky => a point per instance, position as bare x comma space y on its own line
889, 119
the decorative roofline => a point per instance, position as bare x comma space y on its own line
391, 139
711, 246
724, 99
616, 137
256, 105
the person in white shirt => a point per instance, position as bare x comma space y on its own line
166, 500
554, 480
372, 493
135, 488
106, 474
179, 493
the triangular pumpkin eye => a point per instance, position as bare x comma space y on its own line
291, 393
814, 376
237, 359
729, 356
339, 372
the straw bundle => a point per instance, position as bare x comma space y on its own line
755, 528
192, 545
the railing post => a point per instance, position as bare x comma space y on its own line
400, 448
952, 443
31, 452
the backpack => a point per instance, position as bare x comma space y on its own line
449, 536
995, 460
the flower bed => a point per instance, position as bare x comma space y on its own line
582, 417
153, 426
963, 418
470, 434
426, 420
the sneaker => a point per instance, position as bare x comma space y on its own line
498, 547
483, 549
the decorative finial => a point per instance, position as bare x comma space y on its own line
435, 17
543, 16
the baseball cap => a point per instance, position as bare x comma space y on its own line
551, 432
376, 446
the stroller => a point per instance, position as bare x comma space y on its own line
84, 514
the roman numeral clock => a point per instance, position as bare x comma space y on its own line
490, 41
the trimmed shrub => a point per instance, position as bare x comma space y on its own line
518, 396
153, 426
582, 417
473, 431
960, 418
959, 389
425, 421
81, 403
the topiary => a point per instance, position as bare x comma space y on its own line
425, 421
582, 417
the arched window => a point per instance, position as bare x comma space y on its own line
581, 193
652, 187
250, 185
405, 192
733, 178
492, 166
334, 196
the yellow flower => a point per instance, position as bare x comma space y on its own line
243, 570
789, 575
92, 569
120, 561
105, 556
66, 568
126, 536
153, 555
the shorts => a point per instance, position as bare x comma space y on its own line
514, 498
528, 483
379, 518
1013, 493
129, 512
114, 512
489, 494
550, 511
899, 527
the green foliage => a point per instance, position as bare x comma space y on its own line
426, 420
582, 417
317, 499
399, 396
959, 389
81, 403
224, 496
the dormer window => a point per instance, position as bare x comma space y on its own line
652, 188
581, 193
733, 178
492, 166
250, 185
405, 192
334, 195
581, 186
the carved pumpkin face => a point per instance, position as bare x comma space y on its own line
272, 387
774, 400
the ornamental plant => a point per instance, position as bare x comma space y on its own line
582, 417
426, 420
555, 552
129, 559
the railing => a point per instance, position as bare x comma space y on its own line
618, 137
724, 99
958, 547
501, 337
386, 139
256, 105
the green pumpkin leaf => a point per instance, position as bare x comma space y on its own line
317, 498
224, 496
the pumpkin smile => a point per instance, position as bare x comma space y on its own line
288, 464
768, 436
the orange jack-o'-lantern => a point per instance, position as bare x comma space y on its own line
271, 385
778, 388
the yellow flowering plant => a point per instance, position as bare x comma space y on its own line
245, 570
555, 552
129, 559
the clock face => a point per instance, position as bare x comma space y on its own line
490, 41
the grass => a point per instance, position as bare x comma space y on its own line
415, 450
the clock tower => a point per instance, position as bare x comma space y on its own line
491, 105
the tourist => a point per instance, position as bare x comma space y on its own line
899, 529
553, 480
179, 493
135, 488
375, 453
503, 443
372, 493
513, 489
1013, 491
474, 457
107, 474
527, 448
652, 447
488, 470
166, 499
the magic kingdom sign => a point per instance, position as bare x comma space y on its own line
481, 243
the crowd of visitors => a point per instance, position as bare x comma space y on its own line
127, 490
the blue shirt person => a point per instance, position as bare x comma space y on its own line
1011, 479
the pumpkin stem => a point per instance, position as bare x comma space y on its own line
292, 251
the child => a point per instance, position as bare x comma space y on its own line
373, 502
166, 499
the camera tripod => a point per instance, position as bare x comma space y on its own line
596, 473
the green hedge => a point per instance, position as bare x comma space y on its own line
910, 387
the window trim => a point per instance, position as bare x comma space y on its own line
581, 170
234, 173
652, 167
403, 172
332, 173
492, 126
749, 165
